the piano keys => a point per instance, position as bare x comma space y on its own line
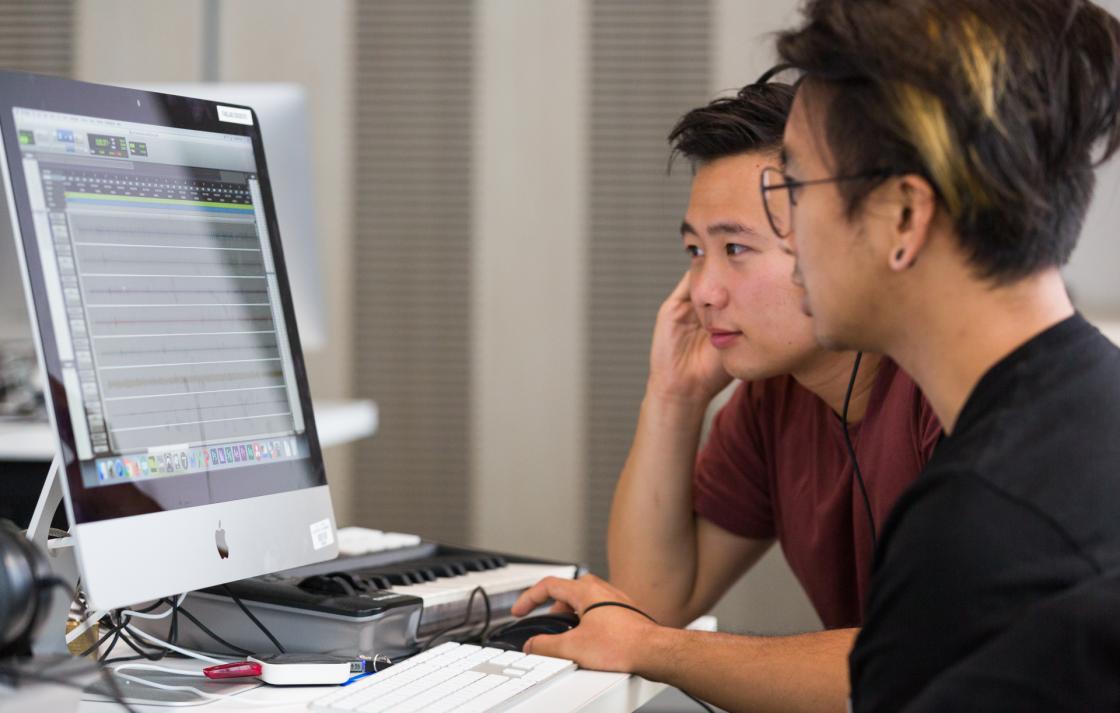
387, 602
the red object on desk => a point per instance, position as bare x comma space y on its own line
237, 669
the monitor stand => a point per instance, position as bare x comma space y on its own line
51, 637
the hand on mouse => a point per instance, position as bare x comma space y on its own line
607, 639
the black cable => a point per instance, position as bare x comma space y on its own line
173, 630
130, 643
623, 605
172, 633
236, 649
155, 652
447, 630
135, 645
486, 620
852, 452
256, 621
116, 629
97, 645
466, 620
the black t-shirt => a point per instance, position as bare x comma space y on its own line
1017, 513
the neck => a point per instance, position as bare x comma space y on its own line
828, 377
950, 341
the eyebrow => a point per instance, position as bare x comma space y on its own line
721, 228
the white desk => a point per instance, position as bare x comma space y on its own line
575, 692
341, 422
337, 422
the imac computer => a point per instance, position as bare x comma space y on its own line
155, 278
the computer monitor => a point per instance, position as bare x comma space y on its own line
282, 112
161, 307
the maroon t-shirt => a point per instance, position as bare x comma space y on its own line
775, 465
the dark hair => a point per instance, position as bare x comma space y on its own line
752, 120
998, 103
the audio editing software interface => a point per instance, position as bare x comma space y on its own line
163, 296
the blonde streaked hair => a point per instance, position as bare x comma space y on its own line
998, 103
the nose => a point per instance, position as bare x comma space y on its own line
707, 288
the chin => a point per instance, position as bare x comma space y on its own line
755, 369
838, 340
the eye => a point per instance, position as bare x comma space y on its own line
734, 249
693, 250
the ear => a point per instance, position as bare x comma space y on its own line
915, 205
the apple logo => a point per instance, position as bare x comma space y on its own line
220, 540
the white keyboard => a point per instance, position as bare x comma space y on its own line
451, 678
445, 600
354, 541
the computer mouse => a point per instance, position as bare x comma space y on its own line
513, 635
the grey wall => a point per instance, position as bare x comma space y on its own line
529, 251
1092, 273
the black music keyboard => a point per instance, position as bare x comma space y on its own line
383, 602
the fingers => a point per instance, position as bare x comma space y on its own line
678, 298
556, 645
561, 608
530, 599
562, 590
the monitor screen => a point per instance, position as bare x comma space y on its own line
158, 273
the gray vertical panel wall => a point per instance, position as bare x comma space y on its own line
650, 64
412, 262
37, 36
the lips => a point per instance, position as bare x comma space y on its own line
722, 339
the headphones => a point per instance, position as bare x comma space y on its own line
26, 580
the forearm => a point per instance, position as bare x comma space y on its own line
652, 534
760, 674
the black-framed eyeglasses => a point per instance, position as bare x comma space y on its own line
779, 195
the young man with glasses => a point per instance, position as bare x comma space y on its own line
777, 466
938, 163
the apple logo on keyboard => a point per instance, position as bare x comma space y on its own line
220, 541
